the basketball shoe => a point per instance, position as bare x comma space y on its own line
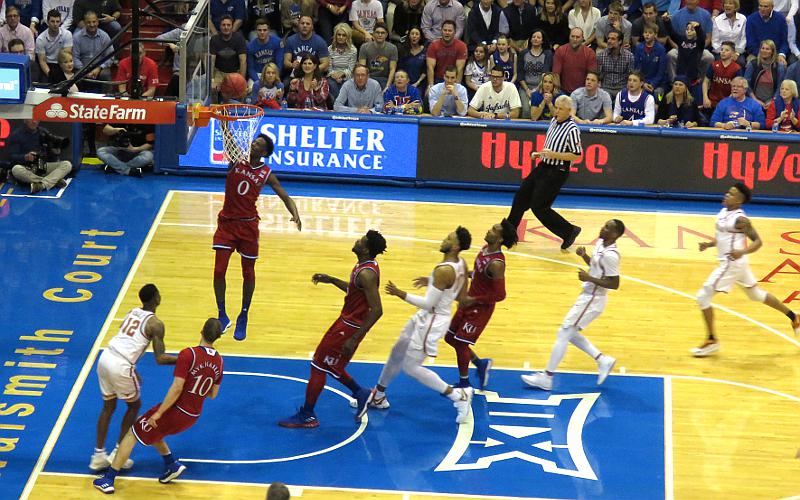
128, 463
225, 321
379, 403
540, 380
604, 366
104, 484
363, 398
305, 419
172, 471
483, 366
462, 400
100, 461
240, 333
796, 325
708, 348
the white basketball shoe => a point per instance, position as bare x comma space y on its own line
604, 366
708, 348
540, 380
462, 400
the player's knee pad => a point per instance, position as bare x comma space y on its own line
248, 269
755, 293
704, 296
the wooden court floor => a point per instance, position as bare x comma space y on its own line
734, 416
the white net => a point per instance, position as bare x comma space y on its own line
237, 134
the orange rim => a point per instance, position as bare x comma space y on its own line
201, 115
218, 112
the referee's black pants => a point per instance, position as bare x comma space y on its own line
538, 192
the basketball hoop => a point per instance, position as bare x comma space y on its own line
238, 122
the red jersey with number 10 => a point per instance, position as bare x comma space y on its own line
355, 306
242, 188
481, 281
201, 368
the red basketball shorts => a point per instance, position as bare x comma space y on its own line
173, 421
239, 235
469, 322
328, 357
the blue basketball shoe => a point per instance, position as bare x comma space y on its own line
302, 419
240, 333
483, 367
172, 471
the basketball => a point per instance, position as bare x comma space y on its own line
234, 86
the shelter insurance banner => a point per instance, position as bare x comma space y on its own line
326, 144
652, 160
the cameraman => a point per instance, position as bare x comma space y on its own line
131, 150
34, 153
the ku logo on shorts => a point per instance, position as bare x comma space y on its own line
145, 426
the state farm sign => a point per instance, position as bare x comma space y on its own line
66, 109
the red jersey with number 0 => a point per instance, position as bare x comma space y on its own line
355, 306
481, 281
201, 368
242, 188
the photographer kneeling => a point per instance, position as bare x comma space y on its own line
34, 153
131, 150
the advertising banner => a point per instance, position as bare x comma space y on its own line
65, 109
325, 146
654, 161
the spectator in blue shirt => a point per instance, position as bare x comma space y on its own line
766, 24
265, 48
233, 8
738, 110
305, 41
650, 57
86, 44
401, 98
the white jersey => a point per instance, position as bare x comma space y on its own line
131, 341
444, 306
728, 237
604, 262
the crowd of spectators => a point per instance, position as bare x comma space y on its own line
680, 64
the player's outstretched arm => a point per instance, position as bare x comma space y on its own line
155, 330
273, 182
325, 278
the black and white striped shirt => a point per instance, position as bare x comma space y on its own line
564, 137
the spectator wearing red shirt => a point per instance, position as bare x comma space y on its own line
444, 52
148, 74
572, 62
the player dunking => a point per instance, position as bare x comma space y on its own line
198, 374
361, 309
603, 275
420, 337
116, 370
733, 230
237, 226
475, 307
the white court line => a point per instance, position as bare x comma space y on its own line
87, 365
669, 474
450, 203
294, 488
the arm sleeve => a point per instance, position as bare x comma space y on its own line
425, 303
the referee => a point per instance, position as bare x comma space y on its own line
562, 146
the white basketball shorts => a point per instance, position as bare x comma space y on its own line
585, 310
117, 377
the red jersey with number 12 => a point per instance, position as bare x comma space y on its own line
201, 368
481, 281
242, 188
355, 306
